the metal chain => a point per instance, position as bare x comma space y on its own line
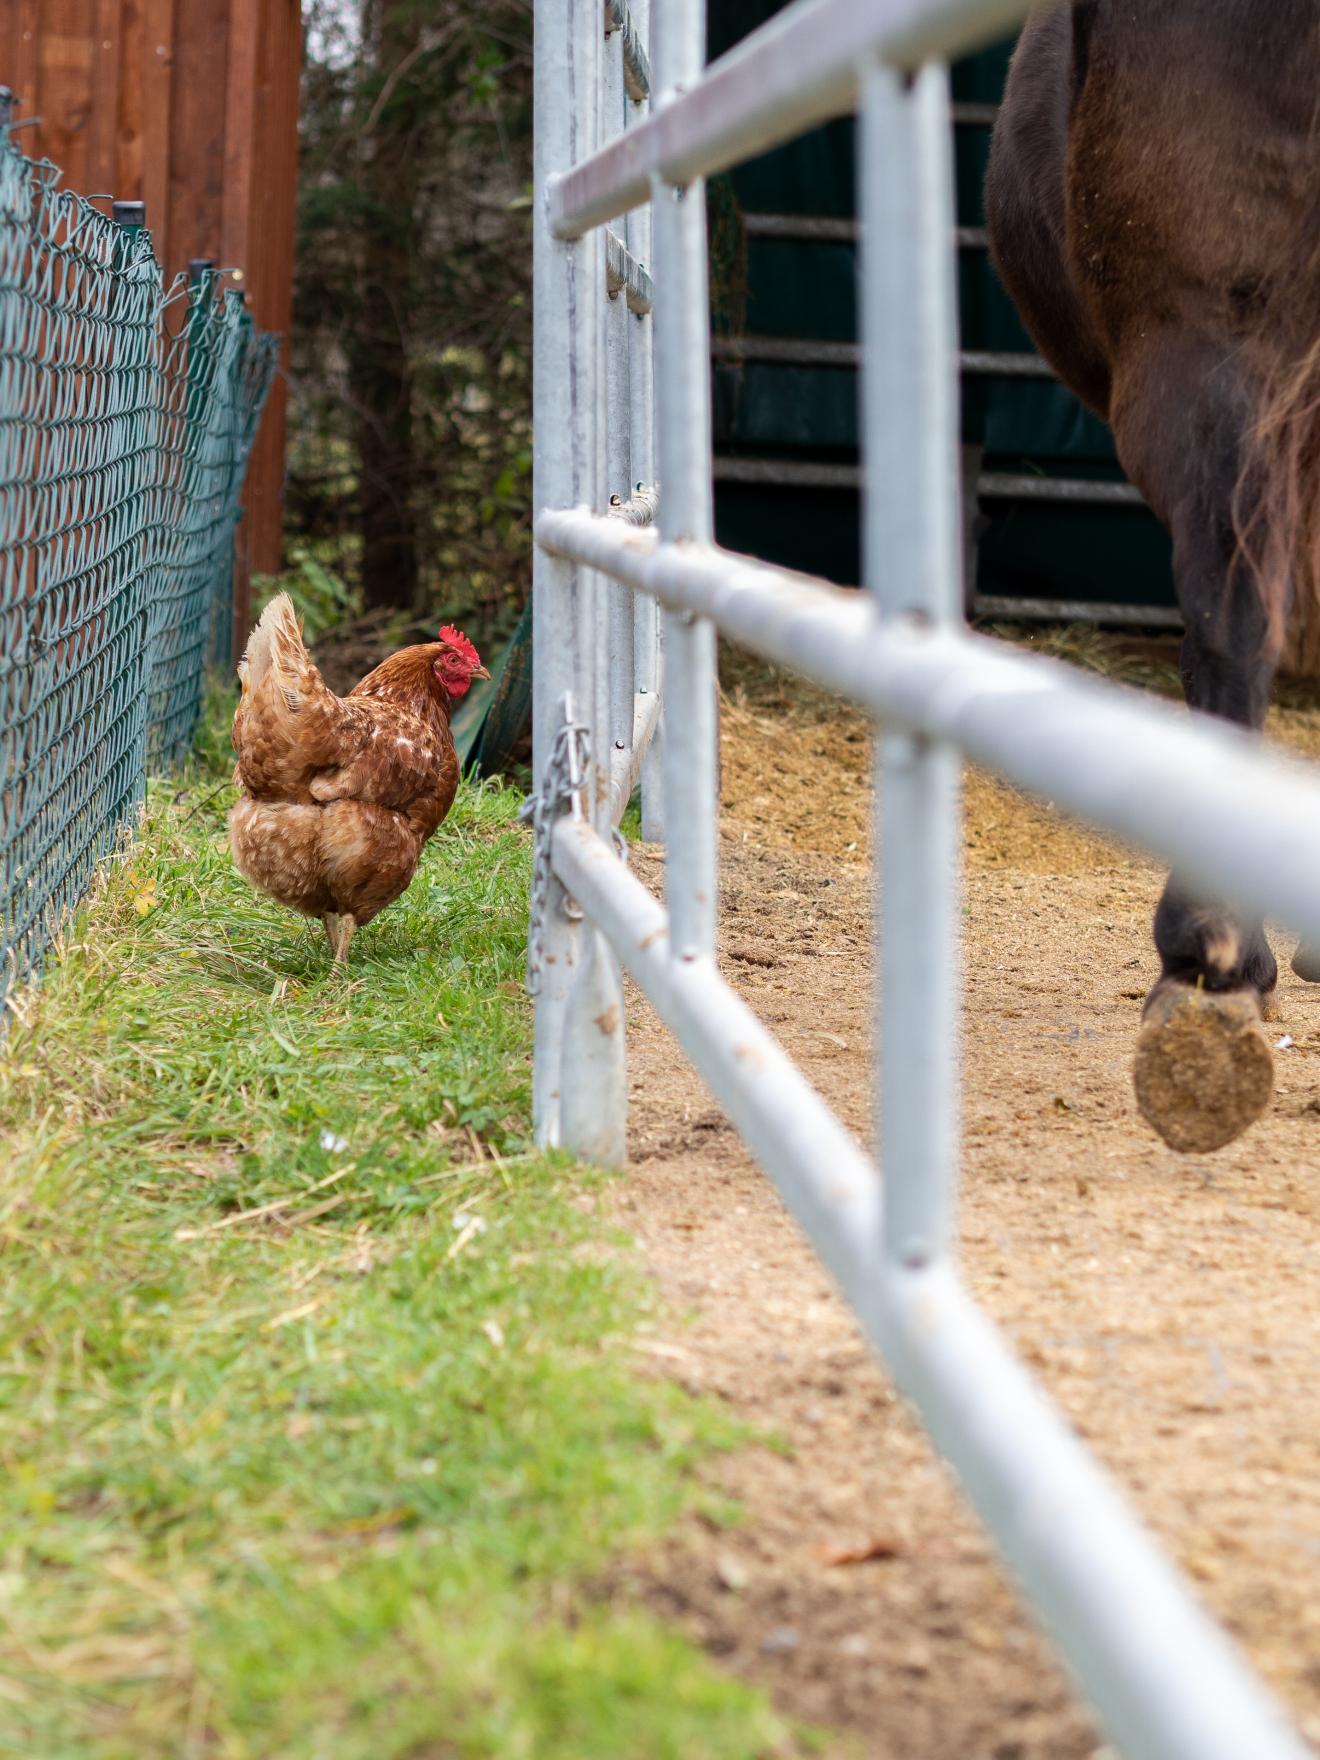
561, 786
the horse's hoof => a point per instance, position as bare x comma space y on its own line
1306, 963
1204, 1070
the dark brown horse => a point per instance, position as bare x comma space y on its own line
1154, 209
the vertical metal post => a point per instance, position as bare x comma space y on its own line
132, 216
913, 567
131, 219
593, 687
565, 300
646, 617
579, 1085
682, 393
618, 431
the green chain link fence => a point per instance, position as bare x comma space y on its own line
127, 411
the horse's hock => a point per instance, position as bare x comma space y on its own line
1204, 1070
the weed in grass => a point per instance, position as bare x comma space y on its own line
315, 1409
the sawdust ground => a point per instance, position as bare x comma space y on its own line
1168, 1303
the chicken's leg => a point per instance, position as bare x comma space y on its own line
342, 937
338, 932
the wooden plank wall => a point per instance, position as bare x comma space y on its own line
192, 107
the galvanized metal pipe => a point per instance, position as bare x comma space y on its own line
798, 70
802, 351
1167, 1682
1007, 610
689, 726
563, 418
617, 669
833, 229
646, 614
578, 1091
626, 767
913, 548
1210, 800
797, 473
1019, 486
594, 1076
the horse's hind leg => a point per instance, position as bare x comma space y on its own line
1204, 1071
1226, 672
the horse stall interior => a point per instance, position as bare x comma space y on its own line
190, 106
1054, 529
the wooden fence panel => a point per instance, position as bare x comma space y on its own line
192, 107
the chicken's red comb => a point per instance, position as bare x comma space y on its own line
455, 639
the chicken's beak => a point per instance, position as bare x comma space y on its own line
480, 672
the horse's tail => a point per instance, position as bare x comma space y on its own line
1276, 511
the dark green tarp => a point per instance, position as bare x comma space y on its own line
783, 288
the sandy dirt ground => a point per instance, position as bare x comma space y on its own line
1170, 1304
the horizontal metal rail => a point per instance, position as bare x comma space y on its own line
1058, 1520
786, 351
809, 228
980, 363
973, 115
793, 351
1025, 486
1130, 765
1014, 610
624, 274
788, 473
834, 229
800, 69
793, 473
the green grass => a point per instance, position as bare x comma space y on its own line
316, 1415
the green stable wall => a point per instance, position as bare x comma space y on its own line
785, 288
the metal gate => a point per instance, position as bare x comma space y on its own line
1227, 814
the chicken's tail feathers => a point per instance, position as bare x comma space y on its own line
275, 647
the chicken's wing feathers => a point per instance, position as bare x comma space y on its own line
398, 764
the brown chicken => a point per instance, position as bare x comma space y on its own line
340, 794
